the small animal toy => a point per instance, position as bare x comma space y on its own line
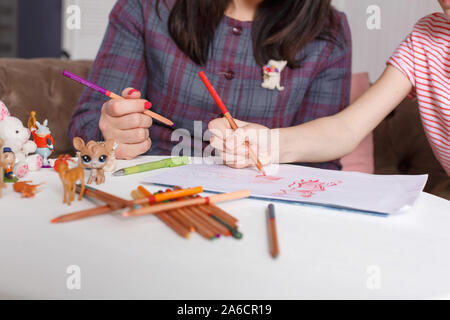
44, 141
32, 121
272, 75
16, 137
2, 168
94, 156
9, 158
69, 179
27, 189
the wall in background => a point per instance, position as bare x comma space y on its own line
371, 48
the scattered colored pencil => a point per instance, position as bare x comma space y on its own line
144, 167
230, 119
116, 203
164, 217
188, 202
112, 95
273, 238
234, 232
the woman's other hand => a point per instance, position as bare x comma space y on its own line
124, 121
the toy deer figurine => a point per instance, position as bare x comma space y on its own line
94, 156
69, 178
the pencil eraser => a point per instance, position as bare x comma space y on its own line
148, 105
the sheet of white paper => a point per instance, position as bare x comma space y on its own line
374, 193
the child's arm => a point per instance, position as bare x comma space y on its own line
324, 139
333, 137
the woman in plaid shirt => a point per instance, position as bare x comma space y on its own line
155, 50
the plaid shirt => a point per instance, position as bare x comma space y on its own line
137, 52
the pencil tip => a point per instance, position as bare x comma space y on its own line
54, 221
119, 173
174, 125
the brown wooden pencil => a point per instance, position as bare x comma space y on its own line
204, 216
199, 228
181, 219
223, 215
164, 217
273, 238
84, 214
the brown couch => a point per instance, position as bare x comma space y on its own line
400, 145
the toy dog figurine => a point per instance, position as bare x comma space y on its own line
44, 141
69, 178
94, 156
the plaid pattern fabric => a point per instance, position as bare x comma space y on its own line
137, 51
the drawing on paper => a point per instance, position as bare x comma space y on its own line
306, 188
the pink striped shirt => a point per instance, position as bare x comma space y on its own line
424, 57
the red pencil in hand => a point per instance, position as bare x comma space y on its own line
228, 116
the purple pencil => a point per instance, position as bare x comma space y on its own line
112, 95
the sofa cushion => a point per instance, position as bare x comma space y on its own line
37, 84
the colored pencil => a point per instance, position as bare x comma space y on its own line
273, 238
188, 202
84, 214
164, 217
228, 116
234, 232
144, 167
116, 203
223, 215
112, 95
185, 215
165, 196
205, 216
168, 195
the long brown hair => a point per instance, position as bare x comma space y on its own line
280, 30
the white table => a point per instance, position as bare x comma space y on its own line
325, 253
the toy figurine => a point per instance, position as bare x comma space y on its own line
94, 156
32, 121
27, 189
9, 158
44, 141
69, 178
2, 167
16, 137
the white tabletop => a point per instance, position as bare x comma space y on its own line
325, 253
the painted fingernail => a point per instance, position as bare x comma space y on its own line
132, 91
147, 105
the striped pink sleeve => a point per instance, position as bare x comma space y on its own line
403, 60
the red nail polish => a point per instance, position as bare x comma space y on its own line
148, 105
132, 91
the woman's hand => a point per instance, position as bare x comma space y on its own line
230, 144
125, 122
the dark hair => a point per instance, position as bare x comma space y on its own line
280, 30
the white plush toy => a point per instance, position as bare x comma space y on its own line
17, 137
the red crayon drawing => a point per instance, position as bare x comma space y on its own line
261, 179
306, 188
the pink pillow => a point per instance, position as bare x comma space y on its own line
361, 159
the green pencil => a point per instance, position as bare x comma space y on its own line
166, 163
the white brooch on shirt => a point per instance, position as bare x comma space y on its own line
272, 75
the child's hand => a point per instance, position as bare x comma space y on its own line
230, 144
125, 122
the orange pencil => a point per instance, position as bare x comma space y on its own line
228, 116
